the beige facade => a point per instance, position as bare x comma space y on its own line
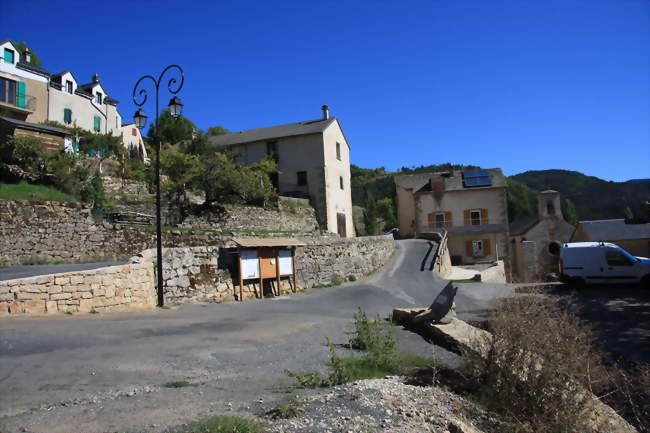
313, 162
34, 95
530, 238
28, 86
475, 216
133, 142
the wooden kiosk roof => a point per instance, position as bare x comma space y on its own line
267, 242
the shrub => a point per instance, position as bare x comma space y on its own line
224, 424
539, 362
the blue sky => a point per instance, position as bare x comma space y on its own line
521, 85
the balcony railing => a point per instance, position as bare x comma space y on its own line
28, 105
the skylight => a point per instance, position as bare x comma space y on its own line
474, 178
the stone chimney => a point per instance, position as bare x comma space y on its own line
28, 55
326, 111
96, 78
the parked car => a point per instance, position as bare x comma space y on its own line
583, 263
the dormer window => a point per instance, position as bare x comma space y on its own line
68, 86
98, 98
9, 56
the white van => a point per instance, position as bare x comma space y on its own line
584, 263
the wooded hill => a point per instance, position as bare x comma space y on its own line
592, 197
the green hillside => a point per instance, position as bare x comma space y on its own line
592, 197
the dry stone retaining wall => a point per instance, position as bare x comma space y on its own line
115, 288
68, 232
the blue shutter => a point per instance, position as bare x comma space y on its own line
98, 125
74, 144
21, 94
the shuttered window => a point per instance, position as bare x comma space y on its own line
475, 217
430, 220
67, 116
9, 55
21, 102
98, 124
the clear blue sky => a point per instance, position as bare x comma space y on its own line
521, 85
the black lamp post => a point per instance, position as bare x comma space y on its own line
140, 118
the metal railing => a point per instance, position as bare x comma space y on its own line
29, 105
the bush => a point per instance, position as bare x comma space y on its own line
540, 361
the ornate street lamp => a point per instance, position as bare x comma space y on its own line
140, 119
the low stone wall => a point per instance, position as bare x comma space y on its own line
43, 231
115, 288
325, 262
209, 273
294, 217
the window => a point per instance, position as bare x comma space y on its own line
98, 98
271, 148
617, 258
341, 181
98, 124
439, 220
475, 217
477, 249
68, 86
67, 116
9, 55
9, 91
134, 132
301, 177
338, 150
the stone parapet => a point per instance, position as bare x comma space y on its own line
109, 289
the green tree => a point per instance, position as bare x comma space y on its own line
173, 130
225, 181
21, 46
370, 220
180, 170
216, 130
101, 146
386, 212
570, 214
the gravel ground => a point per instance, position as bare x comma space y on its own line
385, 405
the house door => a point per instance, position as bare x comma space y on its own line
477, 248
340, 224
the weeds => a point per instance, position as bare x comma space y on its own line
93, 311
539, 363
380, 357
290, 409
352, 278
224, 424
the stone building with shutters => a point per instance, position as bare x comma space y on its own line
470, 205
313, 159
31, 95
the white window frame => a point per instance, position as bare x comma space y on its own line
435, 220
478, 246
471, 220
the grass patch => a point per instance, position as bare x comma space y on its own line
27, 191
289, 409
225, 424
381, 357
178, 384
352, 278
93, 311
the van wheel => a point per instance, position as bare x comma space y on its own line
645, 282
577, 283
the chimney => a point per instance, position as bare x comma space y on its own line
96, 78
326, 111
28, 55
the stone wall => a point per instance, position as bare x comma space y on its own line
42, 231
324, 262
294, 217
115, 288
209, 273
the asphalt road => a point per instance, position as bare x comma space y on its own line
14, 272
101, 373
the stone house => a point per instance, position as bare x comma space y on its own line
631, 235
31, 95
530, 238
469, 205
133, 142
313, 162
